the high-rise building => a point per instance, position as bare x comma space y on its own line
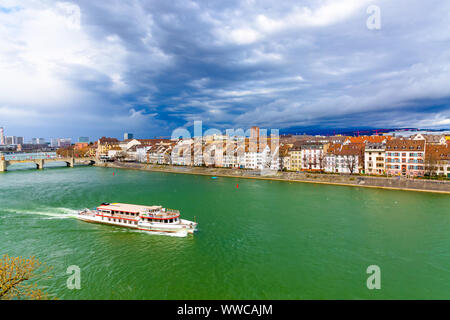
2, 135
127, 136
54, 143
13, 140
83, 139
64, 142
60, 142
254, 132
38, 141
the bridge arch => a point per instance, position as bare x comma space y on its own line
19, 165
40, 163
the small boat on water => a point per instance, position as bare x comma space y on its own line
154, 219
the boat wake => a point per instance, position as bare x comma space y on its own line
49, 213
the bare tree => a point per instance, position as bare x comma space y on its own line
431, 161
351, 162
322, 161
305, 161
120, 156
312, 162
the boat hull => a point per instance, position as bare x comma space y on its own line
183, 228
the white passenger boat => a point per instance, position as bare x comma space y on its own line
154, 219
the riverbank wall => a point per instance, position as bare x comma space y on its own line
395, 183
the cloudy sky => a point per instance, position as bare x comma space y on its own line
92, 68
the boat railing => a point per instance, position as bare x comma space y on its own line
162, 214
120, 216
86, 212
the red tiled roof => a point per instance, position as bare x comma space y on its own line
108, 140
405, 145
438, 152
368, 139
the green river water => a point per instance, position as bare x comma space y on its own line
263, 240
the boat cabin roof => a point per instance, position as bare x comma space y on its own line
127, 207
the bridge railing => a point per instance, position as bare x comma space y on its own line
30, 156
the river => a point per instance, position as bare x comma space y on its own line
257, 239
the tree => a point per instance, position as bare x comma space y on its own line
120, 156
304, 161
322, 161
431, 160
81, 152
312, 162
65, 152
15, 276
267, 160
351, 162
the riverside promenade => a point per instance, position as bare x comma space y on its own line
394, 183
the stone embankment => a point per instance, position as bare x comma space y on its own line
398, 183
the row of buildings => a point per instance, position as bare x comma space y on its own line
417, 155
9, 140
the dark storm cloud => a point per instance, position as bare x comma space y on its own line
150, 66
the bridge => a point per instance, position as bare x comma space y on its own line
40, 162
